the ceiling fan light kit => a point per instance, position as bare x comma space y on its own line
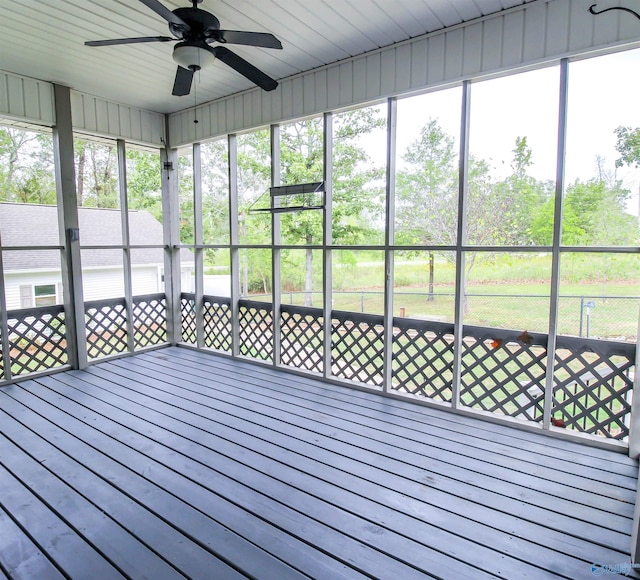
196, 29
192, 56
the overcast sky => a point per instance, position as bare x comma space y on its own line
603, 94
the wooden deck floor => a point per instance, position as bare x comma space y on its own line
175, 462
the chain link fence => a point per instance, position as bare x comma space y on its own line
603, 317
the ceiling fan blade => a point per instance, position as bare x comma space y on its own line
245, 68
164, 12
128, 40
182, 84
263, 39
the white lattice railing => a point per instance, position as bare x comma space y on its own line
501, 372
37, 337
36, 341
107, 326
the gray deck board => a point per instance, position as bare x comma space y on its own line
21, 555
195, 500
287, 507
221, 452
361, 402
156, 533
446, 430
177, 463
328, 459
393, 444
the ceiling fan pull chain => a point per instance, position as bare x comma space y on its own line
195, 100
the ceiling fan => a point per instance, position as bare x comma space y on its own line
195, 29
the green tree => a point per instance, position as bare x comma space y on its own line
427, 190
501, 212
594, 214
185, 198
215, 195
144, 182
96, 166
254, 180
524, 194
427, 193
498, 212
26, 167
356, 187
628, 145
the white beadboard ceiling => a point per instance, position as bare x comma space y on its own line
44, 39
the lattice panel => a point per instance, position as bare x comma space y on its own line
593, 386
149, 320
423, 358
106, 324
256, 330
504, 372
357, 347
37, 339
217, 323
188, 318
302, 337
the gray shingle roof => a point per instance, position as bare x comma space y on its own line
37, 225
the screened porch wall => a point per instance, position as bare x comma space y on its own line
547, 375
522, 37
526, 37
402, 357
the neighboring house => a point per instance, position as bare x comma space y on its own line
33, 277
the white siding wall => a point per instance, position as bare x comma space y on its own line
187, 283
217, 285
145, 280
31, 101
97, 284
103, 283
100, 117
26, 99
525, 36
14, 281
109, 283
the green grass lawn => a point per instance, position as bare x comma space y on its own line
508, 306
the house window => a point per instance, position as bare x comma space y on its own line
45, 294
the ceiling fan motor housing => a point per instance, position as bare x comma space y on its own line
201, 24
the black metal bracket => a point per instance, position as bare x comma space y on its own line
592, 11
316, 187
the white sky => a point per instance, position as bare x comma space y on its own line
603, 94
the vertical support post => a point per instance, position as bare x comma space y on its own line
634, 424
171, 232
555, 252
198, 241
461, 240
126, 242
581, 314
69, 228
634, 452
327, 240
4, 329
276, 239
392, 117
232, 141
